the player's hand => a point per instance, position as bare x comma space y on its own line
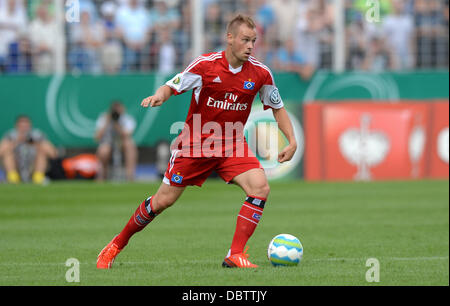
287, 153
152, 101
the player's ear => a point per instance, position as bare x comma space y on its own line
229, 38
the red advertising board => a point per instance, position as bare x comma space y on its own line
439, 140
369, 141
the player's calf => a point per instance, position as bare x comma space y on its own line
140, 219
248, 218
143, 215
165, 197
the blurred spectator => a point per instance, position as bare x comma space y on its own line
431, 21
325, 11
214, 27
87, 38
181, 36
43, 33
356, 40
25, 151
167, 53
34, 4
249, 7
379, 57
398, 29
443, 43
13, 21
110, 28
309, 28
162, 17
265, 15
114, 130
134, 25
126, 2
416, 31
111, 52
287, 58
230, 9
286, 12
266, 31
20, 57
89, 6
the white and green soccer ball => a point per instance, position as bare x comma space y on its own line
285, 250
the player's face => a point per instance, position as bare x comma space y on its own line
242, 43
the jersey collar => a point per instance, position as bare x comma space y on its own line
235, 70
231, 69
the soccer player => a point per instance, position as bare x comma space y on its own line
224, 86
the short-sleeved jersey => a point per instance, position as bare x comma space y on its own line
222, 97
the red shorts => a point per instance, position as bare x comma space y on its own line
188, 171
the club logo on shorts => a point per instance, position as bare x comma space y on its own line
177, 178
249, 85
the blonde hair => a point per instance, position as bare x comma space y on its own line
238, 21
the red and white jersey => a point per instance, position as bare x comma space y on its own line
222, 98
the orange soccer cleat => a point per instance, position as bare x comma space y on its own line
106, 257
238, 261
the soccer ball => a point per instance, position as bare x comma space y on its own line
285, 250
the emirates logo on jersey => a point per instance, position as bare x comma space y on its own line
228, 103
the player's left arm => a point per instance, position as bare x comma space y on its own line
271, 99
285, 125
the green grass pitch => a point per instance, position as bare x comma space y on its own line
404, 225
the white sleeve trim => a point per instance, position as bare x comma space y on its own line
185, 81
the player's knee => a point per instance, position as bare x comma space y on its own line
161, 203
261, 190
265, 190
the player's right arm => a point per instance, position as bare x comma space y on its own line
189, 79
161, 95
